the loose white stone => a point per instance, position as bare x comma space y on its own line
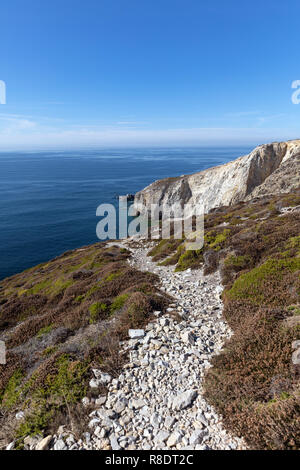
44, 443
184, 400
162, 436
60, 445
197, 437
114, 442
135, 334
100, 400
174, 439
11, 446
85, 401
188, 337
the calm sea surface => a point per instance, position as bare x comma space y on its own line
48, 200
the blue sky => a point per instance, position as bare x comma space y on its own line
140, 72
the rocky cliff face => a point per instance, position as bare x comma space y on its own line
269, 169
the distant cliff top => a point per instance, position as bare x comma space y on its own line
268, 169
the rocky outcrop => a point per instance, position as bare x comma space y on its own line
285, 179
269, 169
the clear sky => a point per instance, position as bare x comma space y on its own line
148, 72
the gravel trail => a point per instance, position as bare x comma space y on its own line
157, 402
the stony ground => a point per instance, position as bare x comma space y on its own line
157, 402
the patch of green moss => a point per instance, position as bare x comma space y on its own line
190, 258
49, 351
62, 388
173, 259
250, 285
50, 287
295, 309
60, 285
95, 310
215, 241
9, 397
68, 384
34, 424
40, 286
294, 243
112, 276
76, 267
118, 303
44, 331
165, 247
238, 261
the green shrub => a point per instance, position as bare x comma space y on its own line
118, 303
252, 285
95, 310
44, 331
10, 396
63, 387
189, 259
216, 240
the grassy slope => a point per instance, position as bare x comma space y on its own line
253, 383
60, 319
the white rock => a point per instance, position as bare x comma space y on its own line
100, 400
105, 378
169, 421
85, 401
296, 357
94, 422
296, 344
162, 436
119, 407
114, 442
135, 334
155, 420
11, 446
94, 383
60, 445
184, 400
137, 404
44, 443
174, 439
188, 338
197, 437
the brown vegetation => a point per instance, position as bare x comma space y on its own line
253, 382
67, 315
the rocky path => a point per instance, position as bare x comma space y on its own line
157, 402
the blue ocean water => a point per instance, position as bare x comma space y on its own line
48, 200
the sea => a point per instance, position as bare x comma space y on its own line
48, 200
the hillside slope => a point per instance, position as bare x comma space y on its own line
58, 320
255, 382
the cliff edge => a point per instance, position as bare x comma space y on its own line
268, 169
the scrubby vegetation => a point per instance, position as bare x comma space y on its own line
253, 382
58, 320
63, 317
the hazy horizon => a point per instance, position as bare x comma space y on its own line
173, 73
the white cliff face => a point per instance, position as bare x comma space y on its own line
225, 184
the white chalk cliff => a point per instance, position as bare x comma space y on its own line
268, 169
